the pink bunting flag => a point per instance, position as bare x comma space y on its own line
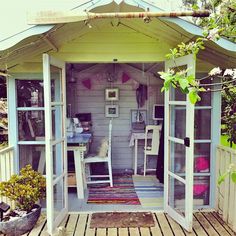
87, 83
125, 78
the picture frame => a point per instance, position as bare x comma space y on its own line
111, 111
138, 115
111, 94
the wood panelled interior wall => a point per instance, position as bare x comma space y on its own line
84, 100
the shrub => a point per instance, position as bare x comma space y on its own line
24, 189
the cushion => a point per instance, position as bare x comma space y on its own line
103, 149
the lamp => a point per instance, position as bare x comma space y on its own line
72, 78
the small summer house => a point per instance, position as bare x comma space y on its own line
84, 74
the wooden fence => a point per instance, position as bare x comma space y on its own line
6, 166
226, 192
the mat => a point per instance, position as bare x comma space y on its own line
150, 192
122, 192
121, 220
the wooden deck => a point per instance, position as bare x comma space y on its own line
205, 224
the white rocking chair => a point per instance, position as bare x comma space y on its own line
153, 148
96, 179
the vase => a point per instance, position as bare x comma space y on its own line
21, 225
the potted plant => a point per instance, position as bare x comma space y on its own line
25, 190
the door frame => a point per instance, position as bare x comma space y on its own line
185, 222
49, 142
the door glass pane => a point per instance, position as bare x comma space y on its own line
177, 159
201, 190
31, 125
56, 76
58, 197
205, 96
57, 130
202, 157
58, 159
178, 121
202, 124
176, 198
33, 155
29, 93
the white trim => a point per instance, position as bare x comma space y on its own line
30, 108
176, 140
47, 61
177, 177
178, 103
31, 142
185, 221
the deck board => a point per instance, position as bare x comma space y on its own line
204, 224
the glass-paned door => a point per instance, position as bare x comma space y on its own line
179, 148
55, 140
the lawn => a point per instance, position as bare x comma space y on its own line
224, 141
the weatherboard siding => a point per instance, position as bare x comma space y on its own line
93, 101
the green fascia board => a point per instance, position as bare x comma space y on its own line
196, 30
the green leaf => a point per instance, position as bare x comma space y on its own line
183, 83
221, 178
233, 176
193, 97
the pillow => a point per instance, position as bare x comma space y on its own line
103, 149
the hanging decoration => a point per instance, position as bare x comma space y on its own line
141, 95
87, 83
125, 78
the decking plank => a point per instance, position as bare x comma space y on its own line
112, 231
134, 232
123, 231
145, 231
101, 232
205, 224
71, 224
156, 231
175, 226
164, 224
215, 223
89, 231
81, 224
198, 228
227, 228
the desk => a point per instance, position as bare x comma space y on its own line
134, 142
79, 144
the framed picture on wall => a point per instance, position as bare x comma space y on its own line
112, 94
111, 111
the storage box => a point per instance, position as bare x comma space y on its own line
71, 179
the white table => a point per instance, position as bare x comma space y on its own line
134, 142
79, 145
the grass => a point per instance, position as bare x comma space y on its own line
224, 141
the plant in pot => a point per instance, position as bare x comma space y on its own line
25, 190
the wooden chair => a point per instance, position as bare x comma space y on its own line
152, 147
96, 179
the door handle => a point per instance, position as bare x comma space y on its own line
187, 141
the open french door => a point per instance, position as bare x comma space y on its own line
55, 141
179, 149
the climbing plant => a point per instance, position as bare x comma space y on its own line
221, 23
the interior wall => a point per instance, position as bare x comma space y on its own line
84, 100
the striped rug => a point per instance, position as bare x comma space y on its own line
150, 192
122, 192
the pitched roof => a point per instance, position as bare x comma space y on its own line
88, 5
